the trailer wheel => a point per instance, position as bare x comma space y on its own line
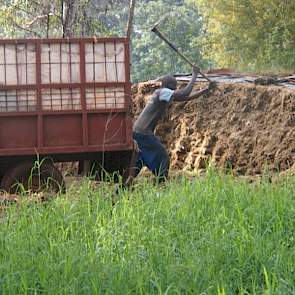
26, 177
112, 167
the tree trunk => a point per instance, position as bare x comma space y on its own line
70, 8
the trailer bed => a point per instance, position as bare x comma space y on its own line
64, 96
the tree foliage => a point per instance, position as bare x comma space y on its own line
151, 57
54, 18
255, 35
181, 24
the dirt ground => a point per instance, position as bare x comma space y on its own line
246, 127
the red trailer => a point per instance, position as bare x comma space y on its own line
63, 100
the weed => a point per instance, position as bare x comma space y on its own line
210, 235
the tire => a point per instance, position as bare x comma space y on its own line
112, 167
26, 177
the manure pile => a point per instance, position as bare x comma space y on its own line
246, 127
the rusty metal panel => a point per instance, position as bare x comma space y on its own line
65, 130
114, 130
18, 132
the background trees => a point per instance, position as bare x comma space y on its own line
181, 23
55, 18
246, 35
253, 35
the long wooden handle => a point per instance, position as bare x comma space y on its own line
161, 36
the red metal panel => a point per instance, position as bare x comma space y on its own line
96, 124
105, 129
64, 130
128, 93
64, 150
39, 103
63, 40
18, 132
64, 112
83, 96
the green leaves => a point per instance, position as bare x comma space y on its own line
251, 35
24, 18
181, 24
247, 35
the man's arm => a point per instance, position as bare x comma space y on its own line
180, 94
196, 94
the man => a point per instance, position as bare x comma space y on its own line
152, 153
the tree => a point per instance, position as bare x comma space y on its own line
254, 35
183, 26
54, 18
150, 56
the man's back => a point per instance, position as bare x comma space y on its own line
153, 111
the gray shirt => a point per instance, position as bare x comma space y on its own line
153, 111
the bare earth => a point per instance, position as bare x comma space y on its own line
246, 127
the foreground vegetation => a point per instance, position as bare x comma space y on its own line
209, 235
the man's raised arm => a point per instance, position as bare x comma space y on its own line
180, 94
196, 94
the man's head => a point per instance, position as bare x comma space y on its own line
168, 81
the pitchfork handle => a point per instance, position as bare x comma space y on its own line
161, 36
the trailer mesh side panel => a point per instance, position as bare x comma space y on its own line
105, 62
105, 98
64, 96
66, 77
60, 63
61, 99
17, 64
18, 100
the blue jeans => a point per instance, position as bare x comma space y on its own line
152, 154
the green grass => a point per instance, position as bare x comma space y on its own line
209, 235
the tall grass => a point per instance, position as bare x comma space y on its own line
209, 235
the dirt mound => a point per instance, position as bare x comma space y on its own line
246, 127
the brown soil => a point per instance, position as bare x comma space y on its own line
245, 127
